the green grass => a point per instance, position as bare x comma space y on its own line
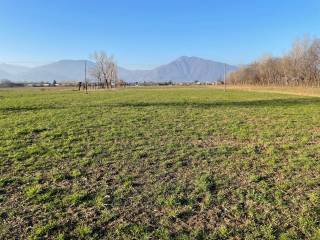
159, 163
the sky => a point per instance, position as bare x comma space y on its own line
142, 34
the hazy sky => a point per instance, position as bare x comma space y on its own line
146, 33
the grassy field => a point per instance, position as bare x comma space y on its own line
302, 91
159, 163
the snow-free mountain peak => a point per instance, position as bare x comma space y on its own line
183, 69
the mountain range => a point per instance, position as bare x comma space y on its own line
183, 69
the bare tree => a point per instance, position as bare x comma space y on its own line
299, 67
105, 70
97, 74
112, 72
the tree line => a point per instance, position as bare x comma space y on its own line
299, 67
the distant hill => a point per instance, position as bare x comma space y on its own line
13, 69
64, 70
183, 69
5, 75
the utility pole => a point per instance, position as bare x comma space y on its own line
85, 75
224, 78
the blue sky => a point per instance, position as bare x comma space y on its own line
147, 33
